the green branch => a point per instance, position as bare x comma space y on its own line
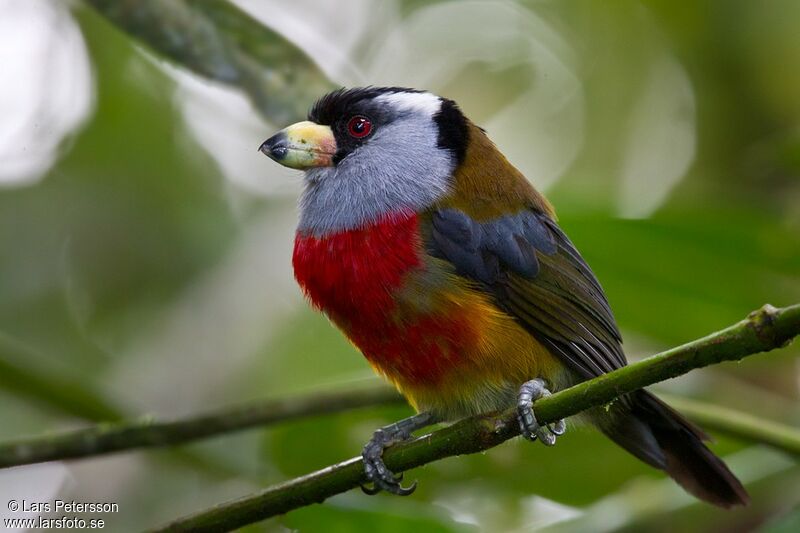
221, 42
763, 330
737, 424
146, 433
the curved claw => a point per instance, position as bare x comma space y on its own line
395, 488
375, 470
370, 491
547, 438
383, 479
529, 426
406, 491
559, 428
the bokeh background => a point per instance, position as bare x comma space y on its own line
145, 244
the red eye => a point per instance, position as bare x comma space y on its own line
359, 127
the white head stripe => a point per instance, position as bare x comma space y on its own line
427, 103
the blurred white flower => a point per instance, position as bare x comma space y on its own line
225, 123
661, 139
222, 119
46, 87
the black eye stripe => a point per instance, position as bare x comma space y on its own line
337, 108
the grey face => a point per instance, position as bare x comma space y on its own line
389, 157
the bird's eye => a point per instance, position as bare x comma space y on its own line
359, 127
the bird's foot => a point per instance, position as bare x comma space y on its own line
374, 468
529, 392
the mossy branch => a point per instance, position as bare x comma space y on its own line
763, 330
148, 433
221, 42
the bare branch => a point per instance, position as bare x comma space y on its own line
148, 433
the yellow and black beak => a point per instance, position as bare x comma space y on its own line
302, 145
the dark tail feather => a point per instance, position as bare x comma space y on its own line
659, 436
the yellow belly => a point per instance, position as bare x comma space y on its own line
486, 373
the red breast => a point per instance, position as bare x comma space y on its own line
355, 277
353, 273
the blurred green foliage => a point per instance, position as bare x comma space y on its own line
136, 230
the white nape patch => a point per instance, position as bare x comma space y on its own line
427, 103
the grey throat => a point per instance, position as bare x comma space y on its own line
399, 168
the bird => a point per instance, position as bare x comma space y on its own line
446, 268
